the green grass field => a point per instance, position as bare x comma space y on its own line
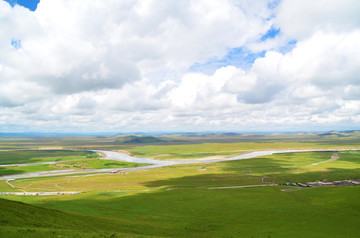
73, 164
23, 220
94, 164
37, 156
25, 169
175, 201
179, 200
225, 149
64, 159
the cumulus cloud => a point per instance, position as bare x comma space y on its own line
301, 19
73, 46
125, 65
321, 62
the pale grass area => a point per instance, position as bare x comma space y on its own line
50, 148
215, 157
334, 157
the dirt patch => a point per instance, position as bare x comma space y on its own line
101, 154
51, 148
123, 151
215, 157
334, 157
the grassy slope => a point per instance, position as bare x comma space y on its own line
330, 212
22, 220
193, 210
257, 212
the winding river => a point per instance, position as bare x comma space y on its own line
111, 155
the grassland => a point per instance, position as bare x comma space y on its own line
221, 144
247, 141
254, 212
300, 167
65, 160
38, 156
26, 169
73, 164
177, 201
286, 167
23, 220
94, 164
224, 149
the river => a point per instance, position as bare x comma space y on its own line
111, 155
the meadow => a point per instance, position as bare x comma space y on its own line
38, 156
65, 159
191, 200
187, 151
94, 164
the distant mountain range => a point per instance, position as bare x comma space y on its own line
137, 140
128, 138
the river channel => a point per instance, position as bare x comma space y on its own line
112, 155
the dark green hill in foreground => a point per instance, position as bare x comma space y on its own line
138, 140
22, 220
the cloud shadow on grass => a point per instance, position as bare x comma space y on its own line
4, 171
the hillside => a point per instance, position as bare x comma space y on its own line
138, 140
22, 220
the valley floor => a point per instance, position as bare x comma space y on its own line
225, 197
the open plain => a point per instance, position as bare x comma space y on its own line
204, 187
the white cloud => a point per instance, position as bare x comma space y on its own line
321, 62
123, 65
351, 92
73, 46
197, 91
301, 19
15, 93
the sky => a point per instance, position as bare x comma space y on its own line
169, 65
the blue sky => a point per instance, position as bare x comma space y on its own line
242, 57
271, 33
29, 4
143, 66
239, 57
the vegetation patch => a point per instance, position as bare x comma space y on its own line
95, 164
8, 170
225, 149
22, 220
38, 156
